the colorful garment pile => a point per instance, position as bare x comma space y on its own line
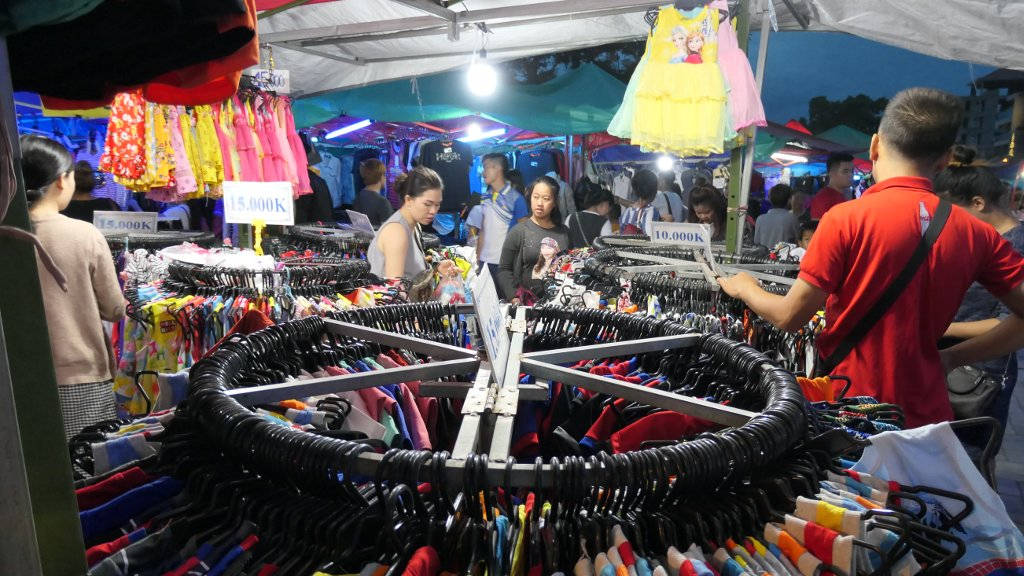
174, 153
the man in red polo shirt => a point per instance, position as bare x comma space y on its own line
840, 178
860, 248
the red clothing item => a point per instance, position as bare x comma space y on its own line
860, 248
824, 200
424, 562
658, 426
99, 552
102, 492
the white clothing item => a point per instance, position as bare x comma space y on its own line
330, 171
933, 456
621, 186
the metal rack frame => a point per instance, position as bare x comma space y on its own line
489, 410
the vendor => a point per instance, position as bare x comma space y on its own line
397, 249
531, 245
370, 200
82, 357
861, 247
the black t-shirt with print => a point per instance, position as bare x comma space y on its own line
452, 162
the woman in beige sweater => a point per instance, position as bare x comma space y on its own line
82, 356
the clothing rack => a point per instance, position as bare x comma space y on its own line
218, 403
343, 272
121, 241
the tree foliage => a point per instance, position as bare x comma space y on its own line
860, 112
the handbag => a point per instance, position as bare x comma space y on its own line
892, 292
971, 391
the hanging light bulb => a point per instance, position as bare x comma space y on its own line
482, 78
665, 163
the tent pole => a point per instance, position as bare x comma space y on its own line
734, 217
40, 517
748, 160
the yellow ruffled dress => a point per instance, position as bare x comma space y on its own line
681, 97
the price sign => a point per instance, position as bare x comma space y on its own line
682, 234
115, 221
490, 315
273, 80
270, 202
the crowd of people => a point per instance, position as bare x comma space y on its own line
967, 291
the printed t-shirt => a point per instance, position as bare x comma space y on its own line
860, 248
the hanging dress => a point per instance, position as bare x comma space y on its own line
210, 156
681, 96
124, 151
297, 150
622, 123
744, 99
248, 157
160, 156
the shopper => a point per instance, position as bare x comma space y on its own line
778, 224
980, 192
502, 208
180, 213
641, 216
531, 245
83, 204
840, 178
82, 356
592, 223
861, 247
798, 205
397, 249
370, 201
708, 206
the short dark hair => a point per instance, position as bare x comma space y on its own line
43, 161
417, 181
780, 195
921, 124
372, 170
596, 195
645, 185
960, 182
556, 214
497, 157
711, 197
515, 178
837, 158
809, 226
85, 178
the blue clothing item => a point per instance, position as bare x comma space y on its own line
347, 184
113, 514
701, 568
403, 427
476, 176
643, 568
732, 568
501, 526
980, 304
608, 570
520, 210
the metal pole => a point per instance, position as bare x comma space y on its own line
56, 547
735, 215
748, 161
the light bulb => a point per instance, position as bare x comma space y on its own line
665, 163
482, 78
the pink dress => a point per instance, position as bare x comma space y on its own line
744, 100
184, 178
248, 158
297, 150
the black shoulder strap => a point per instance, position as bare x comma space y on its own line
892, 292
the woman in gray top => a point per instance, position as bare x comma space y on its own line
396, 250
531, 246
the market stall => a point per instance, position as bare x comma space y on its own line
289, 412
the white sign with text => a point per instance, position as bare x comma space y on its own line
116, 221
271, 202
682, 234
490, 316
272, 80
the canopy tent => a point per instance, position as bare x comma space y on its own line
856, 141
335, 45
582, 101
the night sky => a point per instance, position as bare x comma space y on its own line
802, 65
